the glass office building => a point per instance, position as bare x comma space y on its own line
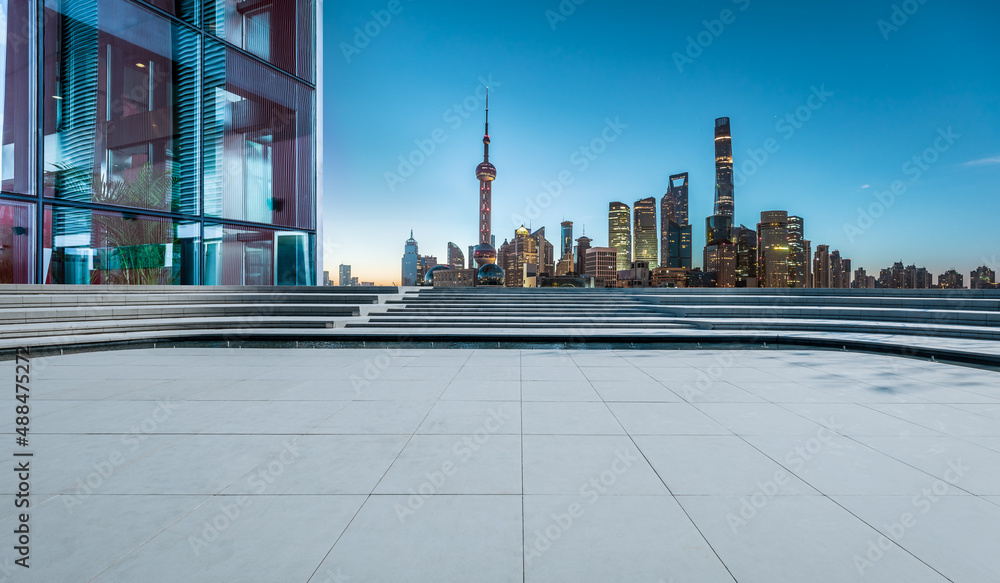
159, 142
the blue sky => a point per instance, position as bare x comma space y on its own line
560, 77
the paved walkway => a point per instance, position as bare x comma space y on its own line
323, 466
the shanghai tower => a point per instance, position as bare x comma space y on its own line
723, 168
720, 252
719, 226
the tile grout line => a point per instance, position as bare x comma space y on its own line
659, 477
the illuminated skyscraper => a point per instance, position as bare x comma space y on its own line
521, 250
645, 241
620, 233
724, 191
746, 256
798, 255
675, 231
719, 227
773, 252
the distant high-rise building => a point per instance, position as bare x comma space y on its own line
951, 279
675, 230
549, 268
567, 240
821, 267
521, 250
719, 226
546, 263
354, 282
773, 251
845, 273
470, 258
675, 202
724, 189
411, 263
644, 238
424, 264
798, 256
456, 258
345, 270
859, 278
582, 244
836, 269
746, 257
720, 263
602, 263
807, 245
983, 278
620, 233
326, 278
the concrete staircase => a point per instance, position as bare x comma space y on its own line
44, 315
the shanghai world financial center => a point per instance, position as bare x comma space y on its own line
159, 142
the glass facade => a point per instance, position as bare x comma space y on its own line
158, 142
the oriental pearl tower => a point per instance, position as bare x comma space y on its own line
485, 255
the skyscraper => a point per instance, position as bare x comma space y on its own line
724, 190
522, 249
719, 227
546, 262
675, 231
345, 272
160, 142
620, 233
836, 270
411, 262
746, 256
456, 258
645, 241
582, 244
773, 252
798, 257
567, 240
821, 267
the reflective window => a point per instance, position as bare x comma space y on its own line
17, 237
85, 246
257, 256
278, 31
16, 105
186, 9
120, 106
259, 143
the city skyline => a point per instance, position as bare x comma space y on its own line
557, 92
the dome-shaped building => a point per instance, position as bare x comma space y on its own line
490, 274
429, 276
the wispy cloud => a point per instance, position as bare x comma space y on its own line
865, 186
984, 162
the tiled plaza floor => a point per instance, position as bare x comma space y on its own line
324, 466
